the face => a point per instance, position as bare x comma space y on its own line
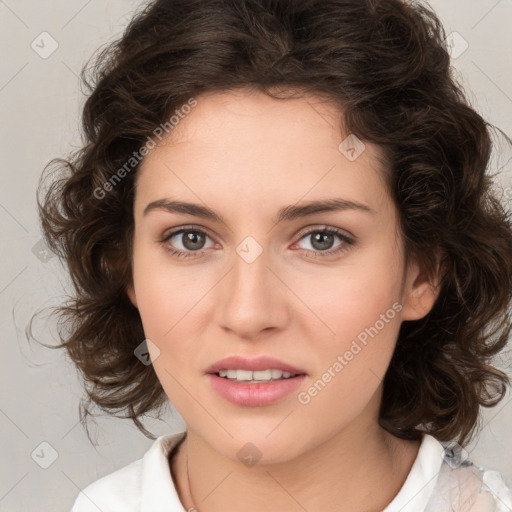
323, 290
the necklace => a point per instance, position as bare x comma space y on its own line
192, 508
189, 489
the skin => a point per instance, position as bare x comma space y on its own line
246, 155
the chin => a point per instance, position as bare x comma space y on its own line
264, 446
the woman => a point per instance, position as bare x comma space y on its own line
281, 222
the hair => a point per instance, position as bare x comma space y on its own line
387, 65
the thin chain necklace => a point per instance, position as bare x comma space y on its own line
193, 508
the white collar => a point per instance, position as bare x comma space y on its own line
422, 478
158, 493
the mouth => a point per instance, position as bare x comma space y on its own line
255, 377
260, 369
254, 382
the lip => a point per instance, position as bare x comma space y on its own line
254, 395
256, 364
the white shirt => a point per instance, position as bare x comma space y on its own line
440, 480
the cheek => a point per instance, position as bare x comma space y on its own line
352, 363
355, 295
168, 294
360, 322
168, 307
172, 303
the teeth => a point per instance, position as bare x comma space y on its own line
256, 376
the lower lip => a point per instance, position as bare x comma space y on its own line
254, 395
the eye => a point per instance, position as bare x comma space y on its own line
322, 241
193, 239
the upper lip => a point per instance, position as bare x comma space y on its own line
258, 363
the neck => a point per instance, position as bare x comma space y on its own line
355, 469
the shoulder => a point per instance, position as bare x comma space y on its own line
119, 490
443, 479
127, 488
463, 486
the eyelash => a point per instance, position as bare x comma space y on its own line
315, 254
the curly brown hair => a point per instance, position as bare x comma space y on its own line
387, 65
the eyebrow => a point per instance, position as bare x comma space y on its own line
287, 213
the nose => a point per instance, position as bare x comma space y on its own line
252, 298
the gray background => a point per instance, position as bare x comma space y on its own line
40, 101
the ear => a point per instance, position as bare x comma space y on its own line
420, 292
130, 291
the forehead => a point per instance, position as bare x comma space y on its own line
250, 147
249, 116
